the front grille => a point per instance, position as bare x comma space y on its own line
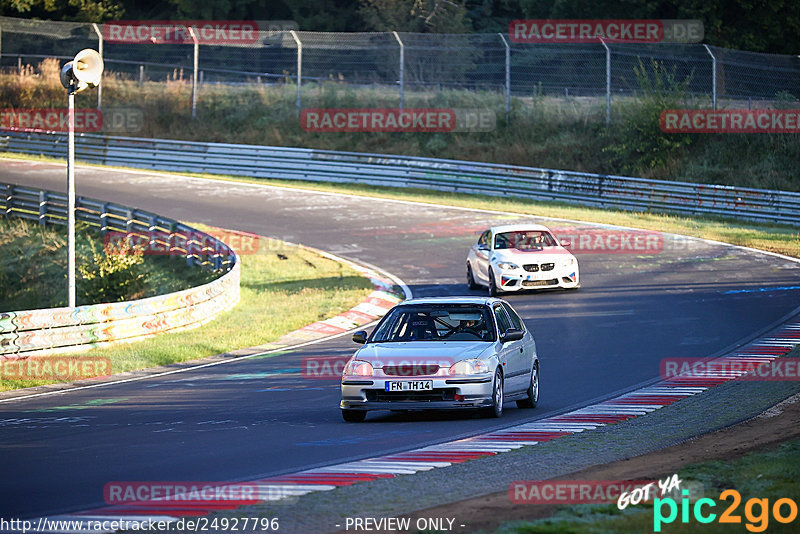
536, 283
440, 394
411, 369
548, 266
531, 267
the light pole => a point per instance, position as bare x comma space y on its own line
79, 74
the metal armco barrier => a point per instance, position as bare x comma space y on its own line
588, 189
58, 330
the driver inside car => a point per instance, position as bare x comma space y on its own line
470, 326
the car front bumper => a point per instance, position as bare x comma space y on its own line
448, 393
520, 280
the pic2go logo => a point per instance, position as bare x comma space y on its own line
756, 511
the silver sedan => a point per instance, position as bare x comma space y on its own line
446, 353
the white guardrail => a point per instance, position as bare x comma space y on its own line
599, 190
58, 330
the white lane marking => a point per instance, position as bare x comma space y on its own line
365, 470
369, 464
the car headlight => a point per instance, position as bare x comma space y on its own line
358, 368
469, 367
507, 265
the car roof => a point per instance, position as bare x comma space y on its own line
519, 227
466, 299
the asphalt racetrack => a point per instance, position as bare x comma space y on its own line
259, 417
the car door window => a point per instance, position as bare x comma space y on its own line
503, 322
512, 315
484, 239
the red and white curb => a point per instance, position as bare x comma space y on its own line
777, 343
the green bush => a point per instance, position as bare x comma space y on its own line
637, 138
33, 272
111, 274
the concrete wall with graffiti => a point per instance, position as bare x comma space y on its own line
59, 330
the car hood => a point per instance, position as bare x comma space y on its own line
421, 352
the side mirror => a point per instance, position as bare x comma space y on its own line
483, 247
512, 334
360, 337
566, 243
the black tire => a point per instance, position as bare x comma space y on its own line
533, 391
470, 278
496, 409
493, 291
354, 416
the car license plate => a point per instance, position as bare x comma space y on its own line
414, 385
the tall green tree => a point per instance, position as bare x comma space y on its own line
756, 25
75, 10
421, 16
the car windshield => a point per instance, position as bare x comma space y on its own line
438, 322
524, 240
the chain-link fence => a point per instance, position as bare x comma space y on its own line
398, 63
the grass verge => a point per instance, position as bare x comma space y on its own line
283, 288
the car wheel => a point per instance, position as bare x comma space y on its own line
533, 391
493, 291
496, 409
354, 416
471, 278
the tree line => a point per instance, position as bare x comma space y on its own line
771, 26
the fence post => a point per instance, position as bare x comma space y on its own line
128, 221
194, 71
299, 44
71, 201
43, 208
104, 219
99, 51
713, 76
508, 76
9, 196
402, 70
608, 82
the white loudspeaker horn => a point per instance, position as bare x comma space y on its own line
84, 71
88, 67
